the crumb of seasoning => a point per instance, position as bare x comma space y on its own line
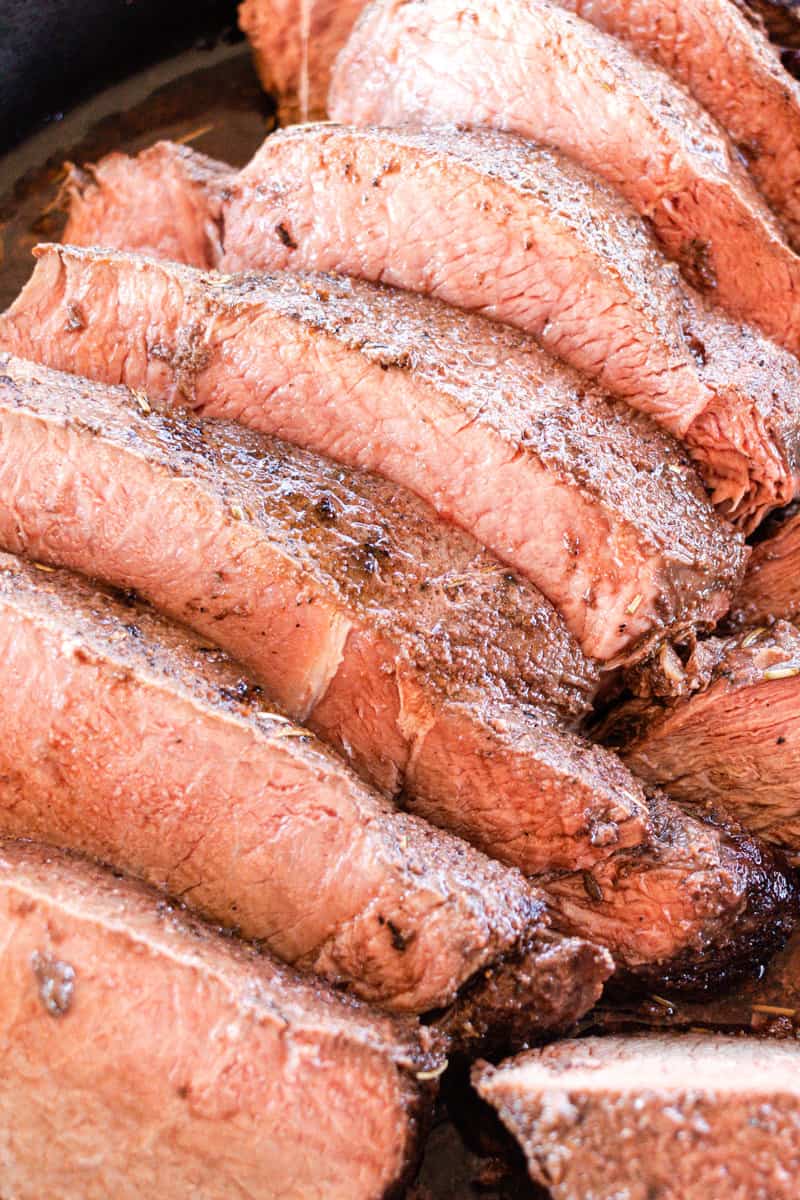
56, 981
142, 402
434, 1073
634, 604
774, 1010
781, 673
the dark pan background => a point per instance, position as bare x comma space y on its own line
55, 53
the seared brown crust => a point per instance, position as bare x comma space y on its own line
471, 376
771, 586
201, 1041
722, 728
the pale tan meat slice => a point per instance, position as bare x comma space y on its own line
146, 1055
673, 1116
530, 67
590, 285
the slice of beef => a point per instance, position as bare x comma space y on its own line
127, 739
177, 197
263, 548
491, 223
530, 67
723, 727
680, 1117
771, 587
578, 493
716, 50
294, 45
146, 1055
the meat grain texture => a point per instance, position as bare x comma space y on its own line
334, 586
530, 239
718, 51
723, 727
680, 1117
145, 1055
532, 68
493, 224
127, 740
473, 417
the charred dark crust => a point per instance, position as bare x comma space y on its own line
544, 986
762, 926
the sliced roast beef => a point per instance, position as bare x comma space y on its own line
308, 200
176, 195
680, 1117
771, 587
294, 45
145, 1055
717, 51
530, 67
725, 726
127, 739
584, 497
489, 222
337, 588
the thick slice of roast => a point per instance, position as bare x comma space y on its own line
146, 1055
717, 51
678, 1117
530, 67
771, 586
127, 739
590, 285
294, 46
723, 727
394, 637
581, 495
491, 223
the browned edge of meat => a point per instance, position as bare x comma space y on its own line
716, 50
473, 417
295, 43
144, 1054
261, 548
530, 67
493, 224
177, 197
771, 587
766, 1002
727, 391
163, 761
722, 727
680, 1116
